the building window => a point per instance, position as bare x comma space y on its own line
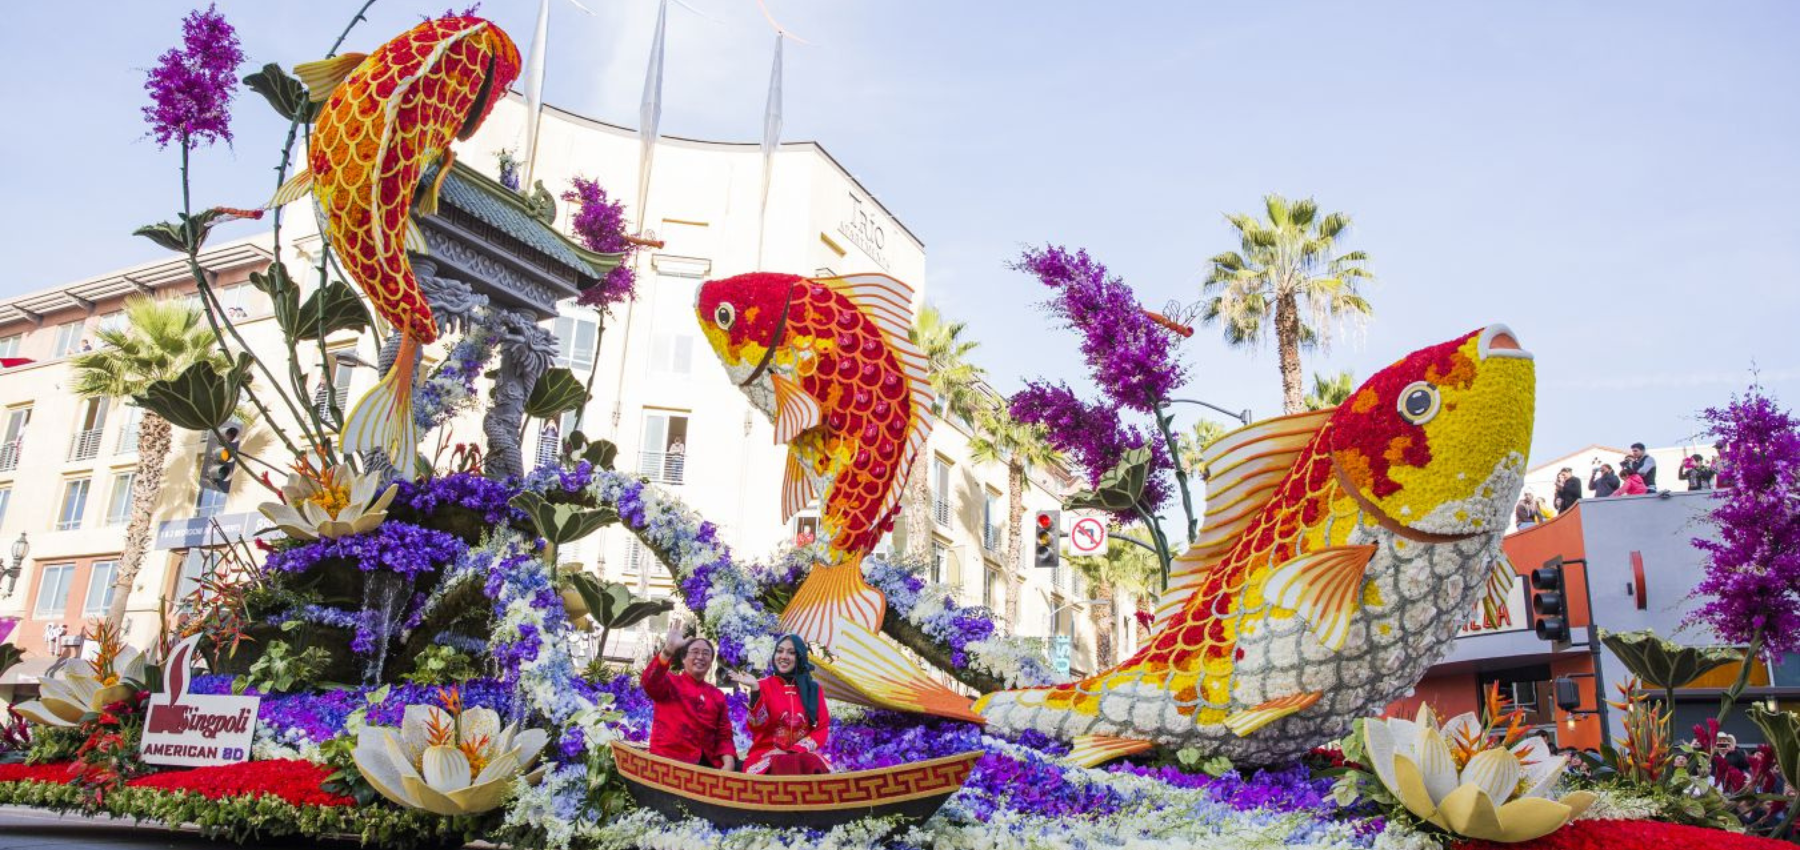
549, 444
993, 592
68, 339
576, 339
991, 516
5, 501
74, 504
16, 420
940, 491
1065, 618
100, 588
118, 502
196, 566
665, 447
343, 372
672, 354
210, 502
114, 321
85, 443
234, 300
806, 530
133, 417
53, 591
9, 345
939, 561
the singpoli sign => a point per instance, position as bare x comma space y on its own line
195, 730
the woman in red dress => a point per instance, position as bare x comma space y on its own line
690, 722
787, 715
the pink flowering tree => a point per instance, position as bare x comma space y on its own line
1752, 583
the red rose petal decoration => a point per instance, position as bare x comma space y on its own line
1635, 835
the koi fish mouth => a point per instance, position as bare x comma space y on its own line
1389, 522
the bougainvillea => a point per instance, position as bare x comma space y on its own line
1091, 434
191, 86
600, 225
1752, 583
1132, 357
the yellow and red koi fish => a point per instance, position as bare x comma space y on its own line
387, 116
830, 362
1341, 551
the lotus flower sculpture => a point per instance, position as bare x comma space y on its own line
448, 760
1468, 781
77, 687
328, 503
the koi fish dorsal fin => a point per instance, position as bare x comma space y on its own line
324, 76
1243, 469
888, 303
797, 489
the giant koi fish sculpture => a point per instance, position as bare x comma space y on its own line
1341, 551
386, 116
829, 360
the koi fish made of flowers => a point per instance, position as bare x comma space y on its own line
829, 360
1340, 552
386, 117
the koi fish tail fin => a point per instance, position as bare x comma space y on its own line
866, 670
382, 419
831, 594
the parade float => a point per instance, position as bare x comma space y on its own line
1335, 556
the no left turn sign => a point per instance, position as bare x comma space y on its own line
1088, 537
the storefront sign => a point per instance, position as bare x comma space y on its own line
201, 530
865, 231
1514, 617
191, 730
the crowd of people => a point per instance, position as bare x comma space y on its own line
1633, 475
788, 721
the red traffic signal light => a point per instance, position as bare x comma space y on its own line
1044, 520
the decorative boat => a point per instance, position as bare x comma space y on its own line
913, 791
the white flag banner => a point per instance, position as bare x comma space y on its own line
650, 114
534, 92
771, 140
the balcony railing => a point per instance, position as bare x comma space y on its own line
9, 454
85, 445
940, 510
990, 538
663, 467
128, 437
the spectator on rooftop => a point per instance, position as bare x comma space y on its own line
1528, 512
1603, 481
1568, 490
1632, 484
1696, 472
1643, 464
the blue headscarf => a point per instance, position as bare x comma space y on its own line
802, 677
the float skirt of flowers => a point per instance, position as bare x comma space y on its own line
1635, 835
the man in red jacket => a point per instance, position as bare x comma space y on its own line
691, 722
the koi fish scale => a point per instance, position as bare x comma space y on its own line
1312, 597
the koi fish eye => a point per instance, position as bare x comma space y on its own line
1419, 402
724, 315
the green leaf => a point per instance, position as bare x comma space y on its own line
284, 92
198, 399
331, 308
1119, 489
1781, 729
188, 234
9, 655
562, 523
1664, 664
284, 294
600, 455
557, 391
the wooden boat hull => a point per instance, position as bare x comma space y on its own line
914, 791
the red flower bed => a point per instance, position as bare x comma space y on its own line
60, 773
1634, 835
295, 781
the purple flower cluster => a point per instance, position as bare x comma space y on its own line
1287, 789
453, 382
600, 223
1093, 435
319, 716
957, 626
192, 85
1131, 356
484, 496
399, 547
555, 476
1752, 582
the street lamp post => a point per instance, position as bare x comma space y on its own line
21, 549
1240, 415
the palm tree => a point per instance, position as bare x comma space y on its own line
159, 341
953, 380
1126, 567
1330, 392
1287, 265
1000, 438
1195, 441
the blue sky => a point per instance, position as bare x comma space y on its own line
1616, 181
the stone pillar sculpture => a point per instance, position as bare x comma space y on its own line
526, 352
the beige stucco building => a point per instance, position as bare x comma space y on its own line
66, 463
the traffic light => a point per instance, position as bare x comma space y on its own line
220, 460
1550, 600
1048, 530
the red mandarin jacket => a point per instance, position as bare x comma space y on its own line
778, 722
691, 721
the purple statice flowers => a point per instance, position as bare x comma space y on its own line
1132, 357
1091, 434
192, 85
600, 224
398, 547
1752, 582
468, 490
